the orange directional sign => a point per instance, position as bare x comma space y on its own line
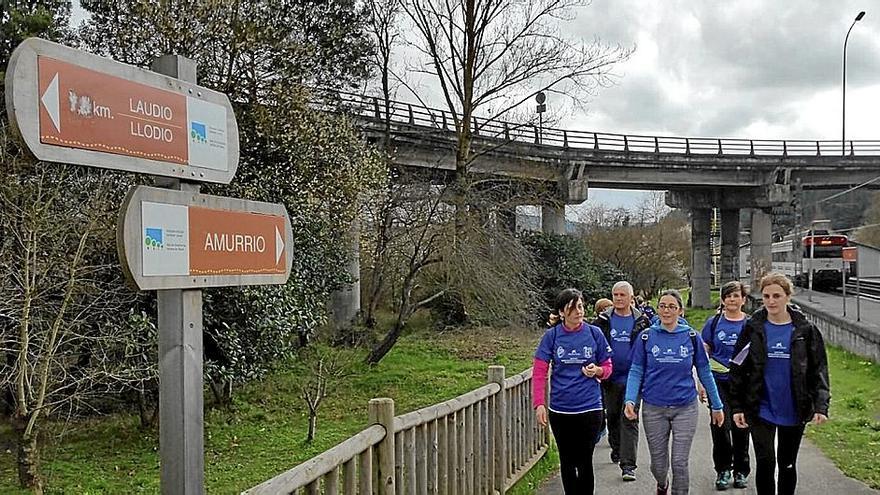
74, 107
169, 239
851, 254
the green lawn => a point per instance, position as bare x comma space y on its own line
264, 434
851, 437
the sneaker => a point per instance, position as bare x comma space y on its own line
740, 480
615, 458
722, 482
628, 474
663, 490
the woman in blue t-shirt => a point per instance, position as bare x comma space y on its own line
730, 445
662, 363
580, 357
778, 382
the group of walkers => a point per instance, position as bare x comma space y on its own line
764, 376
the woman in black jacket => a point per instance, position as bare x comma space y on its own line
778, 383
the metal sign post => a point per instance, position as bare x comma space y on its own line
812, 262
843, 282
850, 255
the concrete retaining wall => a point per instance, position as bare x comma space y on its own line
853, 336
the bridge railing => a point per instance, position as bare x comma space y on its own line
481, 442
420, 119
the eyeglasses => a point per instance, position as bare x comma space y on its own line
670, 307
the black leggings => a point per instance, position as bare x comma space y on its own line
767, 457
576, 439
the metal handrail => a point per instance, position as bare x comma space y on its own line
402, 115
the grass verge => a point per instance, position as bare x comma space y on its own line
264, 432
851, 437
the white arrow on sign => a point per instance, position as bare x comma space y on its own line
51, 102
279, 245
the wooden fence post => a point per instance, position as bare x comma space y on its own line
496, 375
382, 413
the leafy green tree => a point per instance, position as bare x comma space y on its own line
565, 262
262, 54
22, 19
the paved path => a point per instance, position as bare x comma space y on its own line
816, 473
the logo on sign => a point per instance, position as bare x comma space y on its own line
153, 238
198, 133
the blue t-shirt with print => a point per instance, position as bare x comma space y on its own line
722, 340
621, 331
567, 352
777, 400
668, 359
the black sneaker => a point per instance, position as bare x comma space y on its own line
740, 480
722, 482
615, 458
628, 474
663, 490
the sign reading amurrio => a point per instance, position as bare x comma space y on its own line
170, 239
74, 107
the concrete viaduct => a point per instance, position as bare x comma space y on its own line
698, 173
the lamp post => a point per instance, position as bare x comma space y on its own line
843, 126
541, 98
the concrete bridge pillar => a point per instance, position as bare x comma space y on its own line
760, 257
729, 244
505, 218
553, 219
345, 303
701, 259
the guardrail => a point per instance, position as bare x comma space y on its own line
853, 336
481, 442
420, 119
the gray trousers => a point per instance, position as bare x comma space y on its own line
658, 422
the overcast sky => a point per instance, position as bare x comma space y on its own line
750, 68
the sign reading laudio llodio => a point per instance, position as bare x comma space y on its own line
71, 106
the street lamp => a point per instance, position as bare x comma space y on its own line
843, 126
541, 98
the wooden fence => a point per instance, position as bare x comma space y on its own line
481, 442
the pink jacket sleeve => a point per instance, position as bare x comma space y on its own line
607, 367
539, 382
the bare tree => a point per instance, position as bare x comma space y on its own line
500, 53
654, 252
66, 319
383, 27
416, 238
324, 369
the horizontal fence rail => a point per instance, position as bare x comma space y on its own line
481, 442
416, 119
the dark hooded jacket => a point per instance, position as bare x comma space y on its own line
641, 322
809, 367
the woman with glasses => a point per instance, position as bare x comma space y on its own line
730, 445
778, 383
661, 369
580, 357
